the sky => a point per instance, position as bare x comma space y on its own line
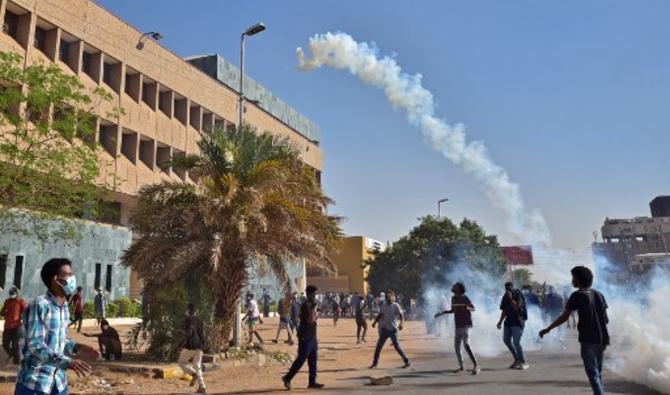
571, 97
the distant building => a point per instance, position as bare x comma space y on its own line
636, 241
351, 268
642, 263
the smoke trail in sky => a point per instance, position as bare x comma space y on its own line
405, 92
640, 327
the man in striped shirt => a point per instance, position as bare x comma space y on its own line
44, 365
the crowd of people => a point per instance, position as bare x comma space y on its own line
47, 351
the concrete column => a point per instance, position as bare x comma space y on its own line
74, 56
52, 43
97, 60
26, 30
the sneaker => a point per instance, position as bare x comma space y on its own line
286, 382
317, 386
373, 366
457, 371
522, 366
201, 390
358, 341
363, 340
275, 341
514, 365
407, 364
194, 381
476, 370
290, 342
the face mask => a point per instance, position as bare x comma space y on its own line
70, 287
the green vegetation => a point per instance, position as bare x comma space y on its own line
49, 163
425, 256
122, 307
255, 202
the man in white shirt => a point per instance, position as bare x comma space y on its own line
253, 317
389, 315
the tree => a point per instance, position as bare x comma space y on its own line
49, 164
427, 254
521, 277
254, 201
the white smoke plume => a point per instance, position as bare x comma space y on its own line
405, 92
639, 323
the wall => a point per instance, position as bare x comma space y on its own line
100, 244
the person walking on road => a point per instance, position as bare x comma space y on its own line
284, 310
100, 302
391, 320
253, 318
462, 308
594, 338
308, 345
12, 310
513, 311
78, 302
295, 312
361, 323
44, 364
190, 357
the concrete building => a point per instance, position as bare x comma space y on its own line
350, 261
627, 242
168, 103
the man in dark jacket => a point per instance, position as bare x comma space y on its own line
109, 341
190, 358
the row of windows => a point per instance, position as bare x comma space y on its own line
18, 273
102, 68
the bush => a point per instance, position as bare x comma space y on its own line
122, 307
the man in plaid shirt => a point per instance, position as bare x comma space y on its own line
44, 365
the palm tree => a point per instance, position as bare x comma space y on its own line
254, 201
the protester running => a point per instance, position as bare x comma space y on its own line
513, 311
190, 357
462, 308
253, 317
44, 364
389, 315
308, 345
284, 310
12, 311
591, 307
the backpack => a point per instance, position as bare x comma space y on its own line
521, 301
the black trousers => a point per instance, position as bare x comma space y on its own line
307, 350
10, 343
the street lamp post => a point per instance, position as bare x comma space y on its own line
439, 203
253, 30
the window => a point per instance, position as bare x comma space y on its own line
98, 273
18, 271
107, 74
108, 279
40, 39
11, 24
87, 63
64, 51
3, 269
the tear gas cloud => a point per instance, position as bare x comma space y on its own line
639, 323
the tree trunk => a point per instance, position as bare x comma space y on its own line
230, 281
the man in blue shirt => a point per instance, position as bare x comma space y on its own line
44, 365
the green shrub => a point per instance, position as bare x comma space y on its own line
112, 310
128, 307
89, 310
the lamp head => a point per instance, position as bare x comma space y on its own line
255, 29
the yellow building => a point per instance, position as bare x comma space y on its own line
168, 101
351, 268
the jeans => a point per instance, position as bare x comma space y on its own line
23, 390
307, 350
384, 334
190, 361
512, 338
592, 355
462, 336
10, 343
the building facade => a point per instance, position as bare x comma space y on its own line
635, 241
168, 102
352, 271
